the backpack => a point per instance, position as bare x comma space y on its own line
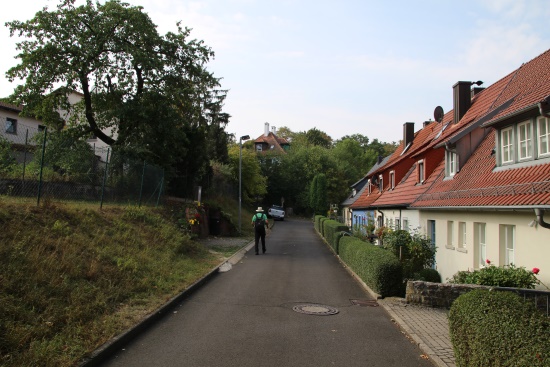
259, 222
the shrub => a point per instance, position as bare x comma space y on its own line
428, 275
491, 328
377, 267
317, 222
415, 251
508, 276
332, 228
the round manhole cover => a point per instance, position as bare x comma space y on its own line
314, 309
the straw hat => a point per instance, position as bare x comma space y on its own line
259, 209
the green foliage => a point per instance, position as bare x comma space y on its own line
317, 222
74, 277
253, 183
331, 228
376, 266
491, 328
495, 276
415, 251
318, 194
7, 160
427, 275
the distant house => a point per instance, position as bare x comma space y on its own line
18, 130
270, 142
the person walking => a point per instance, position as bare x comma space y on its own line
259, 221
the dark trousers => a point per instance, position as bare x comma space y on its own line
259, 233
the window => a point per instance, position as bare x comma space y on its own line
392, 180
421, 171
258, 147
380, 183
480, 244
397, 224
506, 145
451, 163
369, 186
544, 135
525, 145
450, 234
431, 231
507, 243
405, 224
462, 235
11, 126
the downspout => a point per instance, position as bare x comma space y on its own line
540, 218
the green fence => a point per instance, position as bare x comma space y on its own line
38, 163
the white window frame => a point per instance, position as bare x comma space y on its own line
392, 180
525, 141
380, 183
421, 172
259, 148
451, 163
450, 235
405, 224
369, 186
397, 224
507, 243
543, 136
480, 241
462, 235
507, 146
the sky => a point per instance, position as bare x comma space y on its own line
344, 67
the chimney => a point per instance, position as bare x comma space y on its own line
476, 90
274, 130
266, 129
461, 100
408, 133
380, 159
426, 123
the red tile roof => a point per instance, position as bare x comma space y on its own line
272, 140
478, 184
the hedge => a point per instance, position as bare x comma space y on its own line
330, 228
492, 328
377, 267
322, 225
317, 222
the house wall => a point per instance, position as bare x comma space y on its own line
411, 216
532, 245
360, 217
23, 124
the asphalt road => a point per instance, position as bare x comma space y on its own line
246, 317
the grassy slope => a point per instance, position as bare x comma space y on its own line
72, 277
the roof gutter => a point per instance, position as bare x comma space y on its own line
540, 218
483, 208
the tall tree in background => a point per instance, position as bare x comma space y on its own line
318, 192
142, 92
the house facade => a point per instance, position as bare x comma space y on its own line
19, 131
269, 142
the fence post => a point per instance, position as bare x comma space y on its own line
41, 166
160, 188
104, 178
141, 188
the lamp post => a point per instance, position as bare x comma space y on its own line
244, 137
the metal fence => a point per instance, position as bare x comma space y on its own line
37, 163
541, 299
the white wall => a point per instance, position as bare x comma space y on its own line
412, 216
532, 244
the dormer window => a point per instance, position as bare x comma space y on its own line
353, 192
380, 183
369, 186
421, 171
544, 136
525, 145
258, 147
392, 180
451, 163
507, 145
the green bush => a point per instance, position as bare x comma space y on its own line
332, 227
317, 222
377, 267
428, 275
491, 328
415, 251
495, 276
322, 225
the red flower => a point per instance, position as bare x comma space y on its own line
488, 261
536, 270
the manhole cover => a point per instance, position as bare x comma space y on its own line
314, 309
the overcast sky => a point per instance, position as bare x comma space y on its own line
346, 66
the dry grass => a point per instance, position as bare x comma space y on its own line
72, 277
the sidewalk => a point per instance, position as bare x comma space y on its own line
426, 326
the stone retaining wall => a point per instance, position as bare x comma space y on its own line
437, 294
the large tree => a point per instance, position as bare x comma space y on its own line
140, 90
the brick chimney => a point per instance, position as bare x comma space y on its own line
461, 100
408, 133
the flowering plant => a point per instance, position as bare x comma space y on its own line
536, 271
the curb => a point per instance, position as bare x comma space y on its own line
105, 351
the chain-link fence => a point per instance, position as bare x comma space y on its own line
38, 163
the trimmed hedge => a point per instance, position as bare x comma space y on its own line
317, 222
330, 228
377, 267
322, 225
492, 328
